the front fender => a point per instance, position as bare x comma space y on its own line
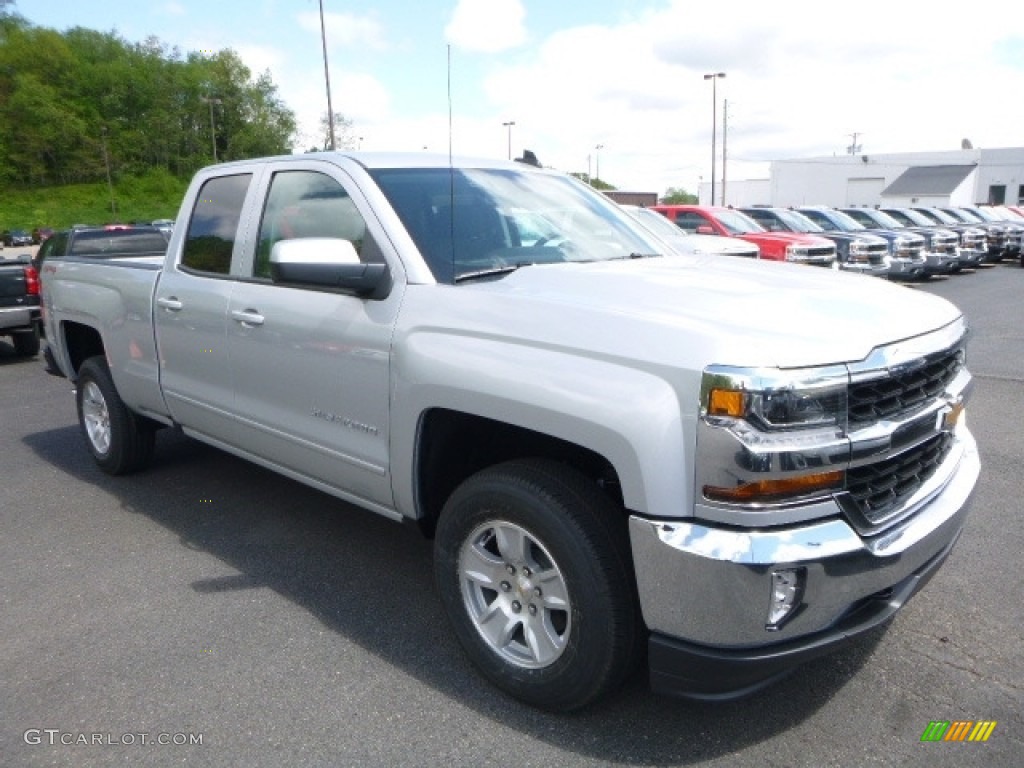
629, 416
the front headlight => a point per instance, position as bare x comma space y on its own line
779, 402
771, 436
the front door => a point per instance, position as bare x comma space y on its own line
311, 366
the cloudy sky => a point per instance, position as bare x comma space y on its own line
622, 75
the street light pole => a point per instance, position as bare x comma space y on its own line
597, 163
327, 77
213, 133
713, 77
509, 125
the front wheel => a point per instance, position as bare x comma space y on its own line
533, 567
119, 440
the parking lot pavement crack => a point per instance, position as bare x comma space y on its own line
997, 377
1000, 683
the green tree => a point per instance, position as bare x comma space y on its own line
96, 104
678, 196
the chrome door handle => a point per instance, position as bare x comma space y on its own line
171, 303
247, 317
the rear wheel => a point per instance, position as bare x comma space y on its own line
533, 566
119, 440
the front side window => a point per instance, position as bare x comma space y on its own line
213, 226
308, 204
690, 220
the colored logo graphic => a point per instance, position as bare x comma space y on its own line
958, 730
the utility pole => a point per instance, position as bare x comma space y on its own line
327, 77
106, 163
725, 137
213, 133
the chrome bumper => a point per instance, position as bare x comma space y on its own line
711, 585
901, 267
19, 317
938, 263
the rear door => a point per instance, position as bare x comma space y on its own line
191, 308
311, 366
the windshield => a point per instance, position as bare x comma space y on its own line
882, 219
797, 221
938, 216
654, 221
983, 214
836, 220
737, 223
964, 215
477, 222
916, 218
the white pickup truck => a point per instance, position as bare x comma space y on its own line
733, 465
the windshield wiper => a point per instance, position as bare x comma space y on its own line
638, 256
491, 272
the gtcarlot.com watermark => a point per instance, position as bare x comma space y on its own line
56, 737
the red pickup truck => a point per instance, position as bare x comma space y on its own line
794, 247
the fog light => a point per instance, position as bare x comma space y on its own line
787, 591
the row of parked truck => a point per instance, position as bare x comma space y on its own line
904, 243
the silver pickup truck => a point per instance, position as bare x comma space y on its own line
732, 465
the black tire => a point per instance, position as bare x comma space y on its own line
26, 343
119, 440
573, 542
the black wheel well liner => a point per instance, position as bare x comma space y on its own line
452, 445
81, 342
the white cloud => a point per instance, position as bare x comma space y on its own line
346, 30
487, 26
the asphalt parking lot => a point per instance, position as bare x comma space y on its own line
209, 600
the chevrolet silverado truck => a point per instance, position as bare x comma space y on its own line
857, 252
793, 247
735, 466
20, 314
907, 255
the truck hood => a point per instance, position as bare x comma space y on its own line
710, 244
785, 238
693, 311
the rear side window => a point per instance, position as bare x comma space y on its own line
213, 226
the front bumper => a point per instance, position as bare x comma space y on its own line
938, 263
971, 257
880, 269
906, 269
705, 589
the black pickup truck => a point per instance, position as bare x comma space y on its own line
20, 314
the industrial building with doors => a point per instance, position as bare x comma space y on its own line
959, 177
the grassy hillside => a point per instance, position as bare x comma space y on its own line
156, 195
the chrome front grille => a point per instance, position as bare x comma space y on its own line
880, 489
902, 392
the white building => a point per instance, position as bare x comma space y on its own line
959, 177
